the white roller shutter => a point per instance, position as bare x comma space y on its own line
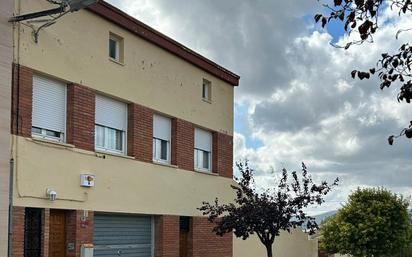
203, 140
111, 113
49, 104
161, 127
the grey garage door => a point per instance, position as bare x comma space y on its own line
119, 235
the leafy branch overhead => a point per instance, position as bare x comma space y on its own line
267, 213
361, 17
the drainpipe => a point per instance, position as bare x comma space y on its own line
16, 60
10, 246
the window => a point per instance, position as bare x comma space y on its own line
116, 47
110, 125
109, 138
203, 150
161, 138
207, 90
49, 109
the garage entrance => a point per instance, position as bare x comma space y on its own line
122, 235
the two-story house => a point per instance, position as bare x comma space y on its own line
118, 135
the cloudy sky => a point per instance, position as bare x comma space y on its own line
296, 100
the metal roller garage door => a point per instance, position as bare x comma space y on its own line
119, 235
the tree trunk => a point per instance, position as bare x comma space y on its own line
269, 250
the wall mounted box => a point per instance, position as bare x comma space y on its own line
86, 250
87, 180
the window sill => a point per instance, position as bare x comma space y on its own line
49, 141
100, 153
206, 172
165, 164
207, 100
116, 61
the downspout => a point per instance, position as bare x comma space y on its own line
16, 68
10, 227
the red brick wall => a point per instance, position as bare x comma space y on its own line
223, 154
205, 243
182, 144
81, 102
45, 232
76, 233
71, 227
167, 236
84, 233
202, 241
22, 92
140, 133
18, 232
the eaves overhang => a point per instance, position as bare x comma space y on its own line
120, 18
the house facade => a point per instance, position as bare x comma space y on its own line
119, 134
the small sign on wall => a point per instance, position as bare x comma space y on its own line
87, 180
84, 222
70, 246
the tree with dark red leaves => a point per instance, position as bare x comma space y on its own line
361, 17
266, 213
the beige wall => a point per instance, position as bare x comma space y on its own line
6, 55
296, 244
76, 49
122, 185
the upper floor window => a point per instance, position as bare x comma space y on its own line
161, 138
203, 150
110, 125
49, 108
116, 47
207, 90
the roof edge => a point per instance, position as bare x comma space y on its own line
120, 18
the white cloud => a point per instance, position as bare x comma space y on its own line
335, 124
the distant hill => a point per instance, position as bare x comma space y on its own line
321, 217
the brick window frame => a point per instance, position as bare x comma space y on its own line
222, 160
140, 132
22, 101
80, 115
182, 145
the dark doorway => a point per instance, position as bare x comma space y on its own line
184, 236
32, 232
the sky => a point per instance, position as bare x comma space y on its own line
297, 101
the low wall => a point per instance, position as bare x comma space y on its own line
296, 244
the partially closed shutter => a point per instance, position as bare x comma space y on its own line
49, 104
118, 235
161, 127
203, 140
111, 113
